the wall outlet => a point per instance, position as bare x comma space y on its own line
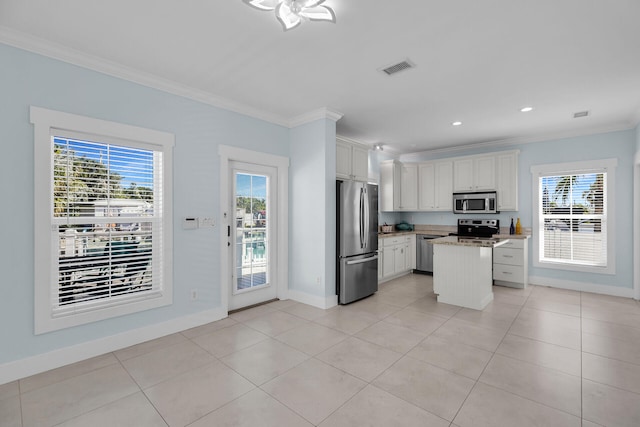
194, 295
318, 280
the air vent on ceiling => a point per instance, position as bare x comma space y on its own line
580, 114
396, 68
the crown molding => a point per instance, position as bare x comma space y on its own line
387, 149
530, 139
354, 141
312, 116
59, 52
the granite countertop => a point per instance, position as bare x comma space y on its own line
512, 236
395, 233
478, 243
446, 230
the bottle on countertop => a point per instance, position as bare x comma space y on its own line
518, 227
512, 229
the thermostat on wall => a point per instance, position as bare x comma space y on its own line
190, 223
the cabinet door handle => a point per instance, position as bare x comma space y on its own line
507, 256
506, 272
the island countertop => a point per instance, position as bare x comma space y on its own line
469, 241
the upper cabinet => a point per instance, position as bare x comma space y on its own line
507, 181
435, 186
409, 187
475, 173
352, 161
428, 186
398, 186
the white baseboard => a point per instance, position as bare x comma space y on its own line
320, 302
615, 291
23, 368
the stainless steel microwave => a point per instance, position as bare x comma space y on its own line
481, 202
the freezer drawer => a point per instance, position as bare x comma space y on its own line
358, 277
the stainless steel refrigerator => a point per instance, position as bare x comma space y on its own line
357, 240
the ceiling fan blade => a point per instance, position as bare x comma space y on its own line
287, 18
319, 13
309, 3
263, 4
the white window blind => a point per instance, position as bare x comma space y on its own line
106, 209
573, 207
102, 219
574, 219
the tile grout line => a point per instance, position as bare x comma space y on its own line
493, 353
581, 365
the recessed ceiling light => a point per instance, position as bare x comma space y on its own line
378, 147
526, 109
458, 123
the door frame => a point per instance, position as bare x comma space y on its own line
280, 271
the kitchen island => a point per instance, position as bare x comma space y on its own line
463, 270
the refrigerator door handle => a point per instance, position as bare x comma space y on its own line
361, 219
360, 261
365, 230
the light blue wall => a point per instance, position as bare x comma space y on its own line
28, 79
620, 145
312, 206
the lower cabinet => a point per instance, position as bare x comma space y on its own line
396, 256
510, 264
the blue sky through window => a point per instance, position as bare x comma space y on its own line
579, 188
251, 186
132, 164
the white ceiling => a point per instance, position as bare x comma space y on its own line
478, 61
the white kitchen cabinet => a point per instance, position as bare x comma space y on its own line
388, 262
463, 175
398, 186
352, 161
507, 181
484, 173
387, 193
409, 187
474, 173
510, 264
435, 186
427, 186
410, 252
380, 259
398, 257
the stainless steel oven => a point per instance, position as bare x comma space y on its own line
475, 203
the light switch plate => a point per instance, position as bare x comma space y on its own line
207, 222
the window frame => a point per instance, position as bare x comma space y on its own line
46, 122
607, 166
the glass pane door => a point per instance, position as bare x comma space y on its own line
252, 232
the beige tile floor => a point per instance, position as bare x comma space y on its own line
534, 357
